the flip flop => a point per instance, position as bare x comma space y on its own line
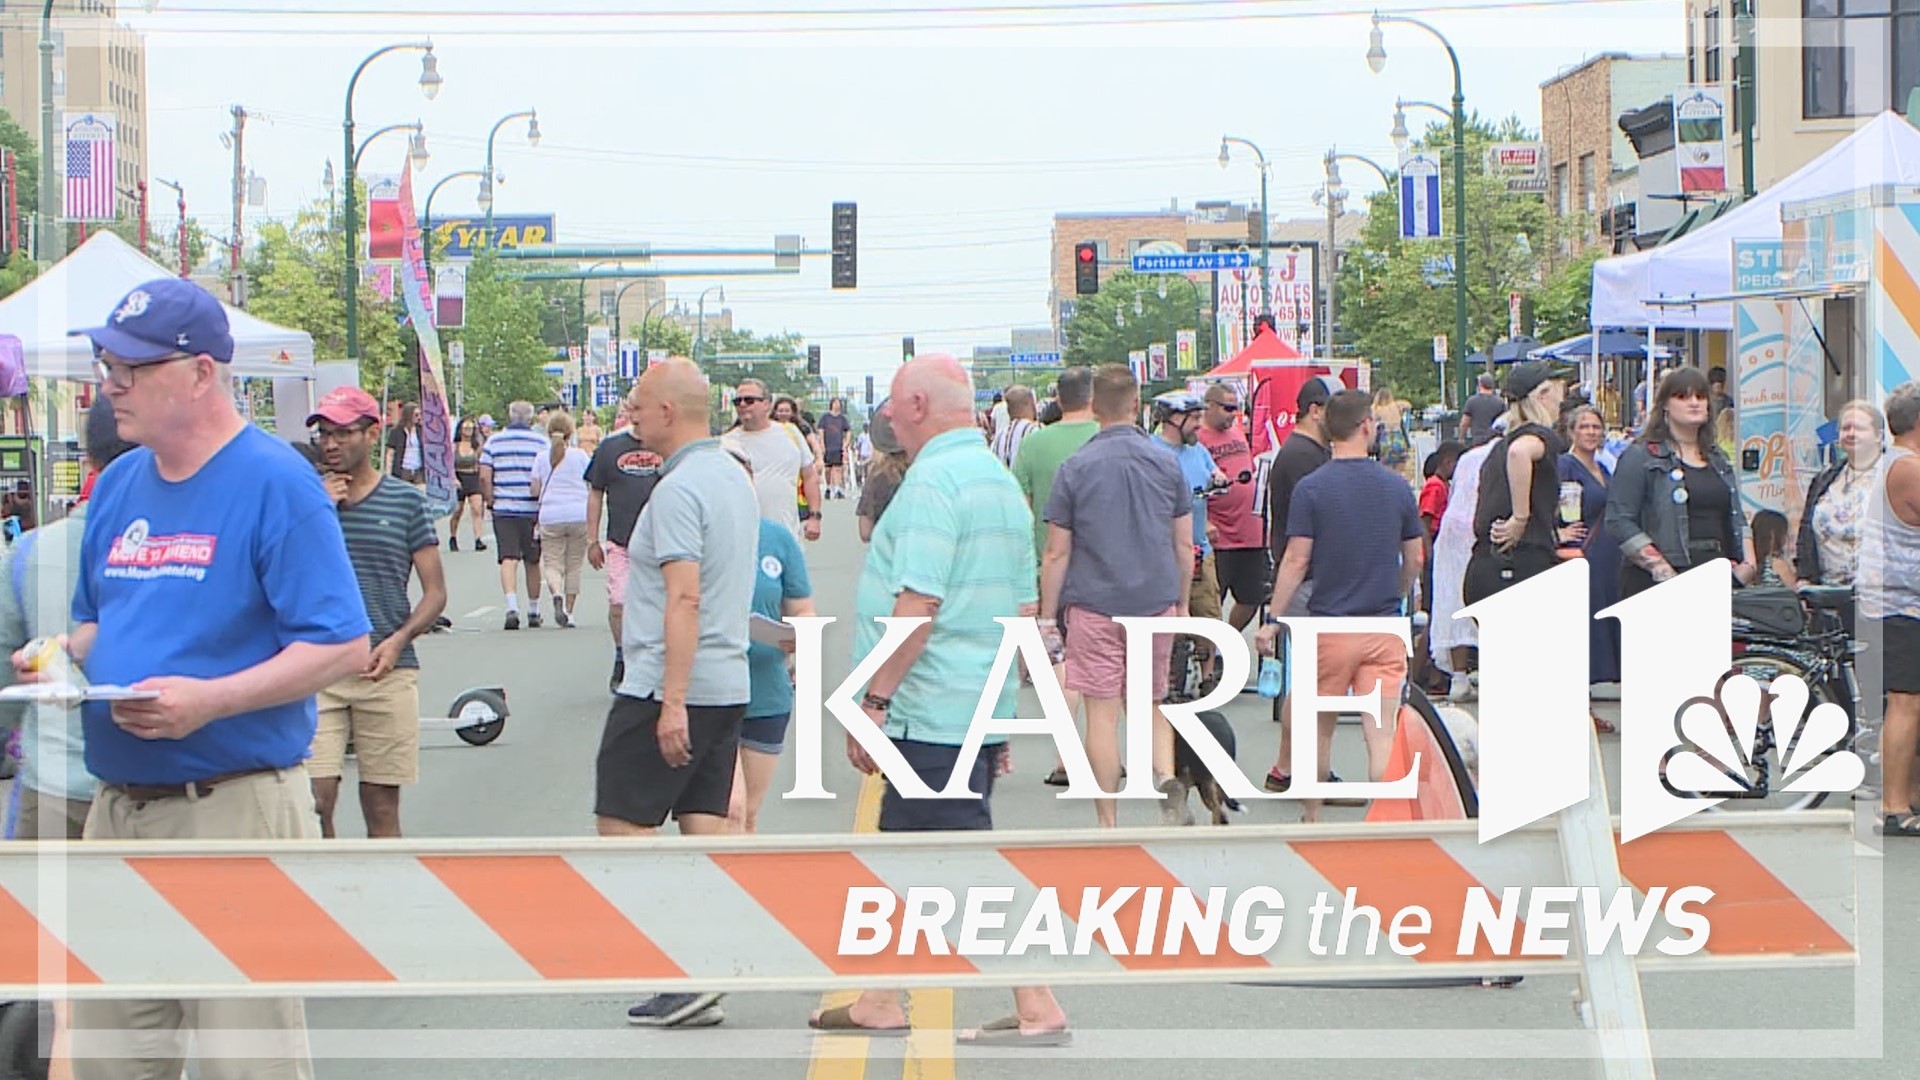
1006, 1032
1907, 824
839, 1020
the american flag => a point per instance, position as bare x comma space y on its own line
90, 169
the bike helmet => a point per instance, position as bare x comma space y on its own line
1174, 403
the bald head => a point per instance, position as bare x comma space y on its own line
932, 395
669, 405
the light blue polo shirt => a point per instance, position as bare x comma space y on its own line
958, 530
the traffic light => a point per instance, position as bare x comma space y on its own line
1086, 268
813, 360
906, 348
845, 264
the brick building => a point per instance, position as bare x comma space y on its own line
1588, 155
1118, 236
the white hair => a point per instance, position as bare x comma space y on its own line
520, 412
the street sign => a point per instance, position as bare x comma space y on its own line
1034, 359
1521, 166
1437, 271
1192, 262
459, 237
1439, 348
1419, 197
555, 370
1513, 315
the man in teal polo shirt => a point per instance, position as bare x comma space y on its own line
955, 545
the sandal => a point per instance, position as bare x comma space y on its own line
1907, 824
1006, 1032
839, 1020
1603, 725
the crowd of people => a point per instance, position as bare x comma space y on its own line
263, 606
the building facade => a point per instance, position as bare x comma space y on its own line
99, 65
1822, 68
1591, 165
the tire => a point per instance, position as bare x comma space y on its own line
475, 703
1417, 701
20, 1027
1764, 666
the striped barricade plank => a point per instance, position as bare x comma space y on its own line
766, 913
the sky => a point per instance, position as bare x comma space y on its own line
959, 129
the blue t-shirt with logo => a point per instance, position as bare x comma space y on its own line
205, 578
780, 574
1196, 465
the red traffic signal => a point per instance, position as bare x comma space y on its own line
1086, 268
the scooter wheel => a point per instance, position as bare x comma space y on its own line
488, 705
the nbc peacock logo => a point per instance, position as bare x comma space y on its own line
1726, 741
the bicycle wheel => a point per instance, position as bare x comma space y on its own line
1764, 667
1416, 704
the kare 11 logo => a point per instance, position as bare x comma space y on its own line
1694, 732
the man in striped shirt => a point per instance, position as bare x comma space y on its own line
390, 538
1018, 424
506, 484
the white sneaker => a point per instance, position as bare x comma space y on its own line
1460, 689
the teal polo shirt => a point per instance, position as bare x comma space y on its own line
958, 530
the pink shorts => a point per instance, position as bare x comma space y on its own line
616, 573
1097, 655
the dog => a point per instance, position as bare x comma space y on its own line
1192, 772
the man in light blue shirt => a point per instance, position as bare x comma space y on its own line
1178, 417
54, 787
956, 546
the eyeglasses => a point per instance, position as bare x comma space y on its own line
745, 400
123, 376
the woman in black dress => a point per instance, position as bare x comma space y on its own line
467, 442
1514, 533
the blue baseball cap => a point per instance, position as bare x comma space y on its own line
165, 318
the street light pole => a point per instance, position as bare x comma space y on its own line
701, 331
533, 136
1377, 60
426, 227
1266, 221
1335, 196
429, 85
181, 195
44, 241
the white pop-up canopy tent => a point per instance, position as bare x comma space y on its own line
1700, 264
81, 291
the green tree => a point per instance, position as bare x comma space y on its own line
1560, 308
26, 163
297, 280
1127, 314
502, 337
19, 269
1390, 305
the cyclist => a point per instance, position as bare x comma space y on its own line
1176, 424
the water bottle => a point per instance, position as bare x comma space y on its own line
1269, 677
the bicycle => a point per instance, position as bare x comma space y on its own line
1195, 672
1779, 633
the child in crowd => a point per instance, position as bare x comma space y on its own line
1770, 550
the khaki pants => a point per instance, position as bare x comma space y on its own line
562, 549
62, 819
261, 1039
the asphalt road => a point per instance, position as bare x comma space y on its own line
536, 781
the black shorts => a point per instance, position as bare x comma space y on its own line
1244, 573
934, 765
469, 484
1894, 643
517, 539
633, 783
834, 458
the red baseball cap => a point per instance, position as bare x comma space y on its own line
346, 406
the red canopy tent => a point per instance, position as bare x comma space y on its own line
1271, 373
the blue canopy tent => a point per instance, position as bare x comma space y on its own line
1507, 352
1612, 343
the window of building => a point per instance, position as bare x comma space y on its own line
1710, 29
1858, 57
1588, 195
1561, 196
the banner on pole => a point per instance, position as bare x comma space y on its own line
1700, 138
1419, 197
1186, 347
436, 422
450, 297
89, 190
1157, 361
1237, 302
385, 222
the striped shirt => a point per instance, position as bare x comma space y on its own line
383, 531
1012, 433
960, 531
511, 455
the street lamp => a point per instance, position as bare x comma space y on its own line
701, 335
416, 144
426, 227
1334, 195
1399, 134
430, 86
1377, 60
1266, 223
533, 139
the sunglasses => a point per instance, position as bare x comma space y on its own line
1229, 406
745, 400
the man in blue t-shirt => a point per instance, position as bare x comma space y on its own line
1178, 416
213, 575
1354, 527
